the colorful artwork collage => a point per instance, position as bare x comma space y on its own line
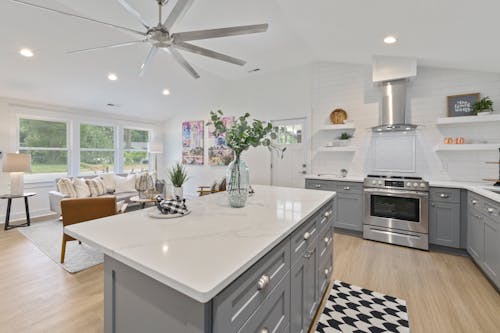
219, 154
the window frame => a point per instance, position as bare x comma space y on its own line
36, 177
79, 149
124, 150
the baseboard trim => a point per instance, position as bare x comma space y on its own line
38, 215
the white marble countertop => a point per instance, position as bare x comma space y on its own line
202, 253
354, 178
481, 188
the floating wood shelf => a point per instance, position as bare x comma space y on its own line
339, 127
336, 149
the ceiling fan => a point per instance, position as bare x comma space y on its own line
161, 38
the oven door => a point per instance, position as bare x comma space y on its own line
397, 209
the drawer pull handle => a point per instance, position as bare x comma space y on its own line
445, 196
490, 210
263, 282
327, 214
474, 202
478, 216
307, 235
327, 240
308, 254
264, 330
347, 188
317, 185
326, 272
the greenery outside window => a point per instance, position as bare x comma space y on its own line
97, 149
47, 143
135, 150
289, 134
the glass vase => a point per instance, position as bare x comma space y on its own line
237, 183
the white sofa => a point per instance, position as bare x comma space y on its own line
55, 197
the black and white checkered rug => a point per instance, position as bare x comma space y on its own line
354, 309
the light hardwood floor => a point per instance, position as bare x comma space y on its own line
445, 293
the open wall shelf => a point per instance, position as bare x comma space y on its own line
336, 149
348, 126
468, 120
467, 147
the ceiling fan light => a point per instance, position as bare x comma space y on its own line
26, 53
112, 77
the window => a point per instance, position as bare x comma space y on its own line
46, 142
289, 133
97, 149
135, 150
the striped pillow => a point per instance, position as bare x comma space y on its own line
96, 187
65, 186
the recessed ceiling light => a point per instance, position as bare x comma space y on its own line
26, 53
166, 92
390, 40
112, 77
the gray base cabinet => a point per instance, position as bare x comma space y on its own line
483, 235
444, 217
280, 293
349, 201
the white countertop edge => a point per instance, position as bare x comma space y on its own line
357, 179
200, 296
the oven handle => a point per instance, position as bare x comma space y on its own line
385, 232
396, 192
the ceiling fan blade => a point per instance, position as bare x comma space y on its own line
177, 13
149, 57
222, 32
133, 12
182, 61
106, 46
208, 53
111, 25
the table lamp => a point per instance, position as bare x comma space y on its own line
17, 165
155, 147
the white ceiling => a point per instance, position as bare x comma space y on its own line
447, 33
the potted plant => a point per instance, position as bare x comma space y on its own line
240, 136
483, 107
178, 176
343, 139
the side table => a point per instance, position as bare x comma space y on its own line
142, 201
9, 198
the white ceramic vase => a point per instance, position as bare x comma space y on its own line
178, 192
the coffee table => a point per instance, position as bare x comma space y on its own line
142, 201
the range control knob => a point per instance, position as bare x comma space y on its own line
380, 182
408, 184
415, 184
422, 184
374, 182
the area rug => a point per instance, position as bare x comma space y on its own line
354, 309
47, 237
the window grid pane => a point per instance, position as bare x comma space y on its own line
94, 136
36, 133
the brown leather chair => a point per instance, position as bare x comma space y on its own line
83, 210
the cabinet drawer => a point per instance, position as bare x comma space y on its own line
303, 237
325, 270
235, 304
274, 314
485, 206
349, 187
441, 194
325, 243
326, 216
317, 184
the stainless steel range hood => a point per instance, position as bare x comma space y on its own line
393, 74
393, 117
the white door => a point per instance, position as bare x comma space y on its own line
290, 170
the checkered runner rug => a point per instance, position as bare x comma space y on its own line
357, 310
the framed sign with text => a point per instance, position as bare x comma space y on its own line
462, 105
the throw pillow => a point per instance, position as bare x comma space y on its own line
109, 182
82, 190
143, 182
96, 187
124, 184
65, 186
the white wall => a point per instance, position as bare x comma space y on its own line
314, 91
10, 110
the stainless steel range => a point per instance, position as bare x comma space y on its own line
396, 210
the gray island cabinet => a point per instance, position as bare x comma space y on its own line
262, 268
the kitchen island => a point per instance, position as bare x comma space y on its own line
261, 268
